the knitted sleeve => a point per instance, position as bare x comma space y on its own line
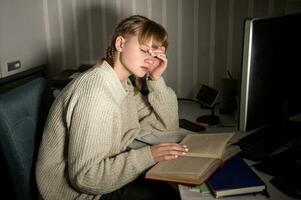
160, 110
94, 163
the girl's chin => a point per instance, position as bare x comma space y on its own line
140, 74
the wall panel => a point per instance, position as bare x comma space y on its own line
187, 48
221, 38
172, 29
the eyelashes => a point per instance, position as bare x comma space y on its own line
144, 51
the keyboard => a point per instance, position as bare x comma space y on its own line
261, 143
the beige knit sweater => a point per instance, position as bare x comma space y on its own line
84, 153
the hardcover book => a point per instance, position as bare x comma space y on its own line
205, 155
235, 178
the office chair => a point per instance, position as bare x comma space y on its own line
23, 111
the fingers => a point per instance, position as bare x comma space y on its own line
162, 57
168, 151
159, 64
159, 50
158, 53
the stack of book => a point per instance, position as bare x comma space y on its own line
235, 177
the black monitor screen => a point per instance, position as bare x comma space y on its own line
271, 78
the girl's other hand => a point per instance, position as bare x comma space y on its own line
168, 151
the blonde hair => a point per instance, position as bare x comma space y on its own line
145, 29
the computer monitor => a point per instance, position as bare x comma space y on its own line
271, 71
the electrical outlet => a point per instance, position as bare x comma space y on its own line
13, 65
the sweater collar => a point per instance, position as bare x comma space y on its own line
116, 86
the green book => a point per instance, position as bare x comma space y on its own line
203, 188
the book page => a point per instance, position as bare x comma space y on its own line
207, 145
230, 151
183, 166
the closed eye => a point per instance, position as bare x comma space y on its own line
143, 50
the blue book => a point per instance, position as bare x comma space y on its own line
235, 177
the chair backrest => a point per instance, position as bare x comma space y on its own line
23, 111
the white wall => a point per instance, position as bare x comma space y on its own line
22, 34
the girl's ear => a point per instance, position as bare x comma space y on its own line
119, 43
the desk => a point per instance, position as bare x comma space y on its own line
191, 110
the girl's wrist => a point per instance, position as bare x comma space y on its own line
154, 78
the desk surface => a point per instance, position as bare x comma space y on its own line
191, 110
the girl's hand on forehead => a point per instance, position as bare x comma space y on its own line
151, 51
155, 52
160, 65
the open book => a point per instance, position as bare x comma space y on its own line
206, 153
